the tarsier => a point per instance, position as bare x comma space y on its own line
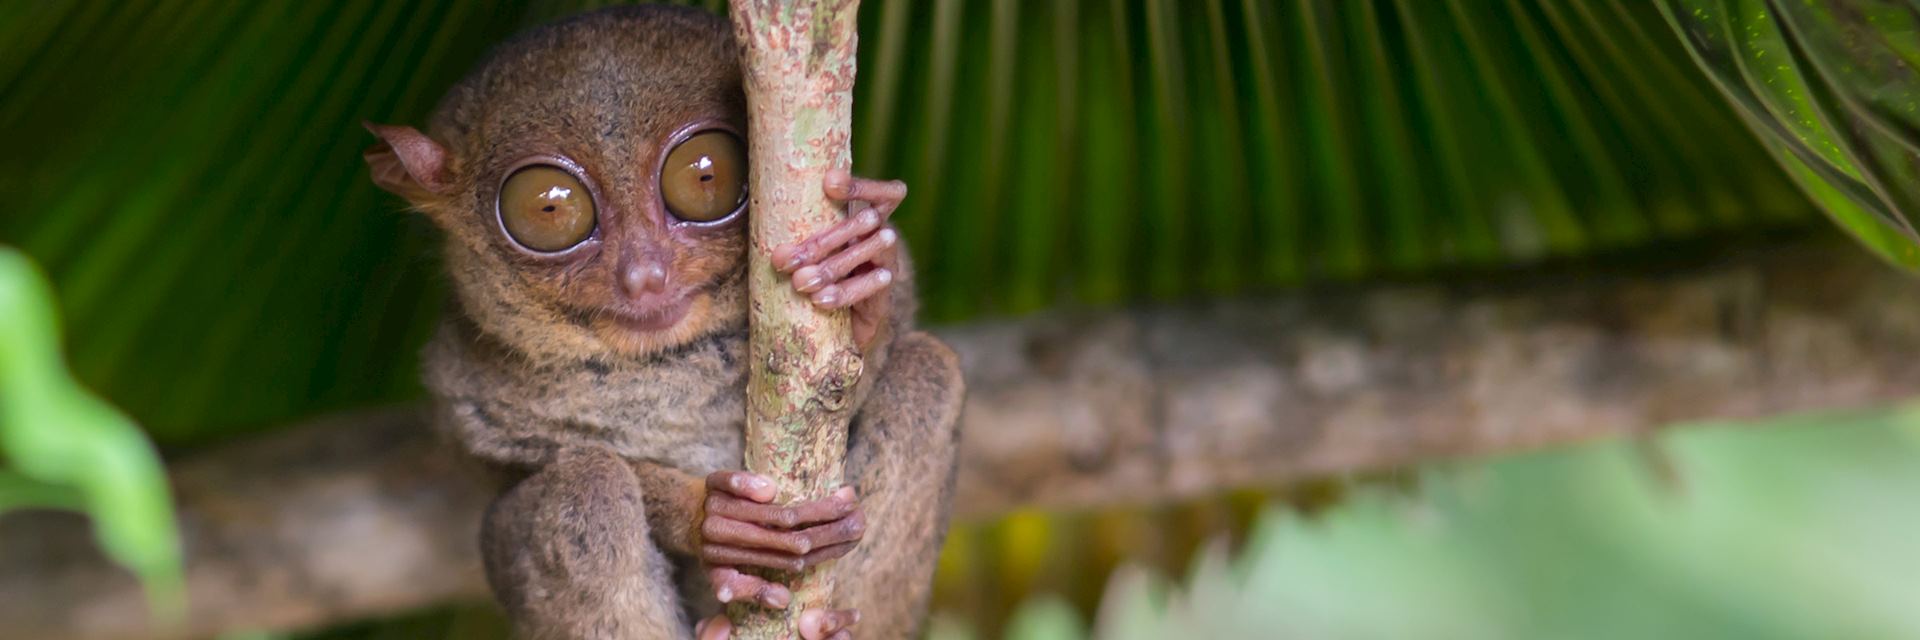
589, 176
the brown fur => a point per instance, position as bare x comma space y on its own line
594, 424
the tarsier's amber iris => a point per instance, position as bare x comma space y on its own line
705, 177
544, 208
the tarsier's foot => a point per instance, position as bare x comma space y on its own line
741, 529
853, 263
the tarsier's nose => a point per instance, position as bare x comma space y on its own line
642, 276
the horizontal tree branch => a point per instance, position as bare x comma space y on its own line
361, 514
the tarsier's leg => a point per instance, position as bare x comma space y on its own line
901, 458
567, 554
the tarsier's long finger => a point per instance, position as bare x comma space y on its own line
742, 484
734, 533
874, 312
885, 195
729, 584
827, 624
852, 290
718, 554
811, 278
788, 257
722, 554
848, 529
833, 507
714, 628
727, 531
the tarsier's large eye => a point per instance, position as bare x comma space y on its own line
705, 178
544, 208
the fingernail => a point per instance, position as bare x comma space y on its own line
757, 482
888, 236
869, 217
884, 275
843, 493
811, 619
792, 257
810, 278
826, 296
776, 598
725, 595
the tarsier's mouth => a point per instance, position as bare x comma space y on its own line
656, 319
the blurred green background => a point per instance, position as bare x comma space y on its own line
187, 175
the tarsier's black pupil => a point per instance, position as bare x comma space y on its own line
548, 208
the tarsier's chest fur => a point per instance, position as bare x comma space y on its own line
684, 407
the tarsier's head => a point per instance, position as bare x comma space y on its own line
590, 176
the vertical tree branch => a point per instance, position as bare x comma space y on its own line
798, 67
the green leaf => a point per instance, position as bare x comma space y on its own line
1829, 88
67, 449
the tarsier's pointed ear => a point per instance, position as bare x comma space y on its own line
408, 163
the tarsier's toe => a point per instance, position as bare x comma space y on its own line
741, 484
852, 291
845, 187
714, 628
731, 585
828, 624
790, 257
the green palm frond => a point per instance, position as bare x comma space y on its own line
1829, 87
194, 186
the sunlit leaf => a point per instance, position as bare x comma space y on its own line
63, 448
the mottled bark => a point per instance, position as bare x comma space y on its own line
357, 515
797, 62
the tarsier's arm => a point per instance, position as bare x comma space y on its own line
901, 447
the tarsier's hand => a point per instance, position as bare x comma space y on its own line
740, 528
854, 262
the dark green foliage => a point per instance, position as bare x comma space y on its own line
189, 171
